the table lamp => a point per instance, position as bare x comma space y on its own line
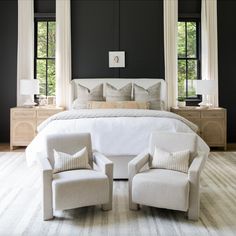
207, 88
29, 87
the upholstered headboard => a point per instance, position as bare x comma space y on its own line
118, 83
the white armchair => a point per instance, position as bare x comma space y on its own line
75, 188
167, 188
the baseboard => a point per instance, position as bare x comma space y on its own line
4, 147
231, 146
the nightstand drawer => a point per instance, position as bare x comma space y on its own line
212, 114
211, 122
41, 114
189, 114
23, 114
24, 122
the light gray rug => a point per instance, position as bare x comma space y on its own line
20, 209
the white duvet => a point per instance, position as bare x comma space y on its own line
119, 132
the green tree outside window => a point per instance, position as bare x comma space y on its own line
45, 56
188, 58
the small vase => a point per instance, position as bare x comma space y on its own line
181, 104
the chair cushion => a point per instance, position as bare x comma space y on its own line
178, 161
64, 161
77, 188
161, 188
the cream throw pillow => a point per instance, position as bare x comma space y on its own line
151, 95
178, 161
114, 95
64, 161
85, 94
119, 105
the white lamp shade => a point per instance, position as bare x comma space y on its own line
206, 87
29, 86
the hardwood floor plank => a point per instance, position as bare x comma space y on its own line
20, 205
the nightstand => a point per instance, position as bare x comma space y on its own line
212, 123
24, 122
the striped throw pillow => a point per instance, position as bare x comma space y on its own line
151, 95
115, 95
178, 161
64, 161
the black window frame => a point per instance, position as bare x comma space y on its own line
193, 101
42, 18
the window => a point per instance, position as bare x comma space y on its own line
188, 58
45, 44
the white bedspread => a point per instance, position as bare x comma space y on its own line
114, 132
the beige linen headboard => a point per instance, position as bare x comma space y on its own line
118, 83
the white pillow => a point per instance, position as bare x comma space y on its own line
151, 95
64, 161
178, 161
85, 94
117, 95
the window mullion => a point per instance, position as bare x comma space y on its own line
47, 64
186, 56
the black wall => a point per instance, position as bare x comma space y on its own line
8, 64
227, 62
45, 6
133, 26
189, 8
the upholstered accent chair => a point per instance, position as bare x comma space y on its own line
75, 188
164, 188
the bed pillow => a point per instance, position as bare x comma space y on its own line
151, 95
85, 94
64, 161
178, 161
114, 95
120, 105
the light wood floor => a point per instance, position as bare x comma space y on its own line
20, 209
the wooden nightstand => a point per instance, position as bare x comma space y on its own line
24, 122
212, 123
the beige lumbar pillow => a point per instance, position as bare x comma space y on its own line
117, 105
178, 161
64, 161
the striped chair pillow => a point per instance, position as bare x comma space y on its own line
64, 161
178, 161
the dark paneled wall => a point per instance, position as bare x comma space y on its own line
93, 35
45, 6
142, 38
189, 8
227, 62
133, 26
8, 64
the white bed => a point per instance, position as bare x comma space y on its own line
120, 134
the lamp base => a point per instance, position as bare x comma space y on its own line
205, 105
28, 103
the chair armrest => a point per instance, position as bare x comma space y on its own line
194, 180
137, 163
107, 168
103, 162
47, 176
134, 167
44, 164
196, 166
